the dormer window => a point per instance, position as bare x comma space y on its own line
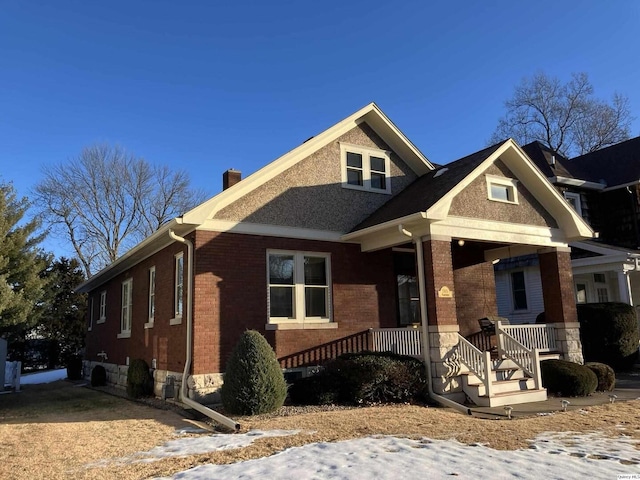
574, 200
502, 189
365, 168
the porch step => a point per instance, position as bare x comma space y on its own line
504, 386
511, 398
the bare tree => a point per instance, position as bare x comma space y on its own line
565, 117
107, 200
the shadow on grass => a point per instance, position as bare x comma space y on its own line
64, 401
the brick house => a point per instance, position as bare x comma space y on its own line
353, 240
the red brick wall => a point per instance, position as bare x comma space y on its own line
231, 294
557, 287
164, 342
438, 271
475, 288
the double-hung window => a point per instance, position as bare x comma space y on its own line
127, 304
574, 200
103, 307
178, 290
298, 287
91, 313
152, 298
519, 290
365, 168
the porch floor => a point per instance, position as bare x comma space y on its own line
627, 388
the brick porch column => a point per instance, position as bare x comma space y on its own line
559, 301
442, 322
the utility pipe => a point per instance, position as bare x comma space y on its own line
212, 414
425, 328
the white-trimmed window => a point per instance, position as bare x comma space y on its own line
518, 291
178, 301
502, 189
574, 200
298, 287
91, 313
152, 298
103, 307
126, 307
365, 168
601, 287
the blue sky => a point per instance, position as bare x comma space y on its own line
207, 86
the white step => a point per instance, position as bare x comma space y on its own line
503, 386
525, 396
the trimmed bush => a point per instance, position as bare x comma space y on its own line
364, 378
98, 376
319, 389
139, 379
74, 367
568, 378
253, 381
609, 334
606, 376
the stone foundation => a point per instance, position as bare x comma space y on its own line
204, 388
568, 341
445, 366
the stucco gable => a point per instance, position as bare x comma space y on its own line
310, 194
474, 202
371, 115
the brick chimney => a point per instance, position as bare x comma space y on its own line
230, 178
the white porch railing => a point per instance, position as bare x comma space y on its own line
539, 337
527, 359
403, 341
478, 362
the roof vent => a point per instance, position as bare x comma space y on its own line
552, 162
440, 172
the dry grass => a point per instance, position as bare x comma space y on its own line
55, 431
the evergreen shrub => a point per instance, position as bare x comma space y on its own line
364, 378
139, 379
98, 376
567, 378
609, 334
606, 376
253, 381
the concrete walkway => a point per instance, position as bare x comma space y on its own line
627, 388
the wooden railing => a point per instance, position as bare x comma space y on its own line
527, 359
540, 337
321, 354
478, 362
404, 341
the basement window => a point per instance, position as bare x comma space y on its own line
502, 189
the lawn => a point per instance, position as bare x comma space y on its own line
60, 430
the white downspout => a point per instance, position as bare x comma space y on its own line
218, 417
425, 328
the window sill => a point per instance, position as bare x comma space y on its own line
301, 326
102, 320
175, 321
148, 325
124, 335
362, 188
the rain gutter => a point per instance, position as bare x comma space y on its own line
184, 396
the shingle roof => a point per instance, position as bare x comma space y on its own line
542, 156
424, 192
616, 165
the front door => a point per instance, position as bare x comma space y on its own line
408, 307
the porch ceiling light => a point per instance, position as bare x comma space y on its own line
461, 243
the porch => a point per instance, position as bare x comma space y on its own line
495, 368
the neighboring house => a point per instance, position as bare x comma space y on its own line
604, 188
353, 240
